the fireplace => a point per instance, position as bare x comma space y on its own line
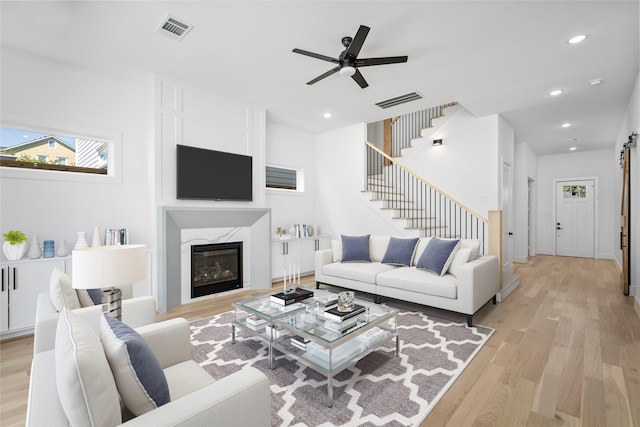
215, 267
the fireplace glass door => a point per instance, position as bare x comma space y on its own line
215, 268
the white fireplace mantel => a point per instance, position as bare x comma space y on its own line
173, 220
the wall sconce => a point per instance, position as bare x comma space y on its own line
437, 142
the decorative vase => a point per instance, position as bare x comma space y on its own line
345, 301
49, 249
34, 251
81, 242
96, 241
14, 252
63, 250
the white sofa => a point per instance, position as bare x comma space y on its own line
468, 284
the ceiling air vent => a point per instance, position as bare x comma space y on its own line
392, 102
174, 28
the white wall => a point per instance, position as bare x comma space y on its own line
200, 118
340, 208
467, 166
630, 124
40, 92
292, 149
571, 166
525, 168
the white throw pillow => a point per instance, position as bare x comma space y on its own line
459, 259
84, 298
336, 248
61, 293
86, 388
422, 243
473, 245
378, 247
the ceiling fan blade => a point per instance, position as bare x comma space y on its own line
360, 79
357, 42
367, 62
325, 75
316, 55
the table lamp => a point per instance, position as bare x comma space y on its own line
108, 267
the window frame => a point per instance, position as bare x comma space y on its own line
112, 138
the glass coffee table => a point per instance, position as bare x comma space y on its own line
256, 316
320, 344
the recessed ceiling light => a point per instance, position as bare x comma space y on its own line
565, 125
573, 148
596, 82
555, 92
327, 115
577, 39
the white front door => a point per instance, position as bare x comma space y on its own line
575, 223
507, 197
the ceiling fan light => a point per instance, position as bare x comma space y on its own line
347, 71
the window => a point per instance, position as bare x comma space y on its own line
284, 178
80, 155
26, 148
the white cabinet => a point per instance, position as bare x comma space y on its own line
22, 281
298, 252
284, 253
308, 249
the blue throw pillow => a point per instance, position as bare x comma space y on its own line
438, 254
139, 377
355, 249
399, 251
95, 295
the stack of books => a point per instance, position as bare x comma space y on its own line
276, 332
344, 327
254, 322
299, 342
334, 315
297, 295
327, 301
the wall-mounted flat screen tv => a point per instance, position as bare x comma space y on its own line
213, 175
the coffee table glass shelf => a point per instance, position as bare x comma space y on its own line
327, 351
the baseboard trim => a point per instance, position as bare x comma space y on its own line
636, 307
510, 282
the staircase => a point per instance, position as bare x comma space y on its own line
408, 200
412, 126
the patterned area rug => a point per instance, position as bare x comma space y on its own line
379, 390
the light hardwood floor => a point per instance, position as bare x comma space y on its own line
566, 352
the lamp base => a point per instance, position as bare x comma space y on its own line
112, 303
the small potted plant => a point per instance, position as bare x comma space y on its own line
14, 245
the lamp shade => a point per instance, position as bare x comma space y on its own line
108, 266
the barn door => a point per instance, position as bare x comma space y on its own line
624, 228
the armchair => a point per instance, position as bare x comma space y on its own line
73, 384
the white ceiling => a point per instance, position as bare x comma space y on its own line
490, 56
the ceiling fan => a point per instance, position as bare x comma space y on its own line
348, 62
